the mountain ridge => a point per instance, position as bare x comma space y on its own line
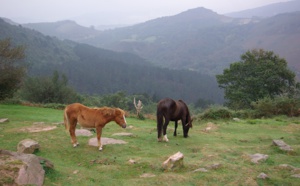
92, 70
268, 10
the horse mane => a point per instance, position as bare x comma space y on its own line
108, 111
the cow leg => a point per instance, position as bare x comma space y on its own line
165, 130
72, 133
175, 132
99, 132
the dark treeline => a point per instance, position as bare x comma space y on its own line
92, 70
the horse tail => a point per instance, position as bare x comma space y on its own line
66, 120
160, 120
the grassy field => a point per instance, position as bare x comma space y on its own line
228, 145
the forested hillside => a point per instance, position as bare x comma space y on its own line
201, 40
93, 70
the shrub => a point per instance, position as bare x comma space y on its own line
216, 112
281, 105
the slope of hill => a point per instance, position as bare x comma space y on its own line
201, 40
63, 30
280, 34
93, 70
268, 10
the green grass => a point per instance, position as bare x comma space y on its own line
228, 145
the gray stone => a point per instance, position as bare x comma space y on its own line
256, 158
236, 119
28, 146
147, 175
3, 120
173, 162
263, 176
296, 175
282, 145
29, 170
214, 166
201, 170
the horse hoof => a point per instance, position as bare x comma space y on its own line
159, 139
100, 149
165, 138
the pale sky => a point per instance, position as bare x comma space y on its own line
111, 12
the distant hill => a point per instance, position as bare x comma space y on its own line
268, 10
63, 30
92, 70
202, 40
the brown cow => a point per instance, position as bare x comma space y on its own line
91, 118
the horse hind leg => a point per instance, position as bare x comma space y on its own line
72, 129
165, 138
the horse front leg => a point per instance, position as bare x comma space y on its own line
175, 132
165, 130
99, 132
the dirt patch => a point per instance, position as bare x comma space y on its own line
210, 127
291, 128
38, 128
105, 141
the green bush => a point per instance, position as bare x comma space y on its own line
55, 106
216, 112
281, 105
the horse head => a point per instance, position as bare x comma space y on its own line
186, 128
120, 118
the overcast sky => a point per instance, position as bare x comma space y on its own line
111, 12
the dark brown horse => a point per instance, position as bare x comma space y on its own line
170, 110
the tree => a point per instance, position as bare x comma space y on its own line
49, 90
259, 74
12, 70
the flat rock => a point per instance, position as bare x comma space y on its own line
3, 120
282, 145
201, 170
24, 169
256, 158
147, 175
105, 141
174, 161
263, 176
296, 175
